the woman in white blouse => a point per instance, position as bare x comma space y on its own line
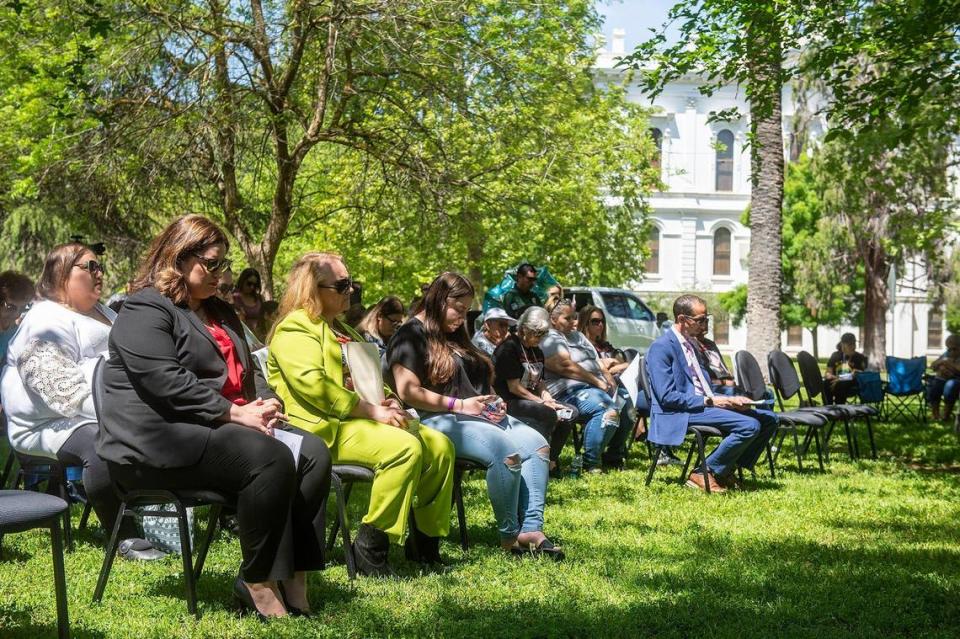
46, 384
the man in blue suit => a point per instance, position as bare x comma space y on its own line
682, 396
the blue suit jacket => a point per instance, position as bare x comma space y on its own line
674, 395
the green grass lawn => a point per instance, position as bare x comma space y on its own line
868, 549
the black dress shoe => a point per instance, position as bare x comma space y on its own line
370, 552
245, 599
422, 548
136, 549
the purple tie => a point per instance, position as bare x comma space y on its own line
698, 378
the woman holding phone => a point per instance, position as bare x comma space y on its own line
436, 370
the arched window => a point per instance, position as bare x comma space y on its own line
721, 252
653, 262
657, 136
725, 161
934, 329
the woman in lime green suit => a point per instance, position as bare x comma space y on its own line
308, 370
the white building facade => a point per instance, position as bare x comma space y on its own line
698, 241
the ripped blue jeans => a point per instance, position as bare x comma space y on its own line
593, 403
517, 487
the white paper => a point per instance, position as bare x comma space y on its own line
629, 379
363, 358
292, 441
261, 356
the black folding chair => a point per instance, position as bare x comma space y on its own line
180, 500
750, 380
51, 471
813, 383
21, 511
460, 467
342, 479
700, 435
786, 384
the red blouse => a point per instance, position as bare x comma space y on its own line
233, 387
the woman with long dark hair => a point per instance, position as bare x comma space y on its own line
382, 321
248, 301
438, 371
186, 407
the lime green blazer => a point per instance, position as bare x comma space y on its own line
305, 369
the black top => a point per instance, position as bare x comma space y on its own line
163, 380
513, 360
515, 302
857, 361
408, 347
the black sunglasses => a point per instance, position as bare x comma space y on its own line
340, 286
92, 267
596, 321
214, 265
699, 319
10, 309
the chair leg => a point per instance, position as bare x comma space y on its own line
84, 516
57, 483
7, 469
208, 536
338, 490
846, 430
342, 497
873, 443
59, 580
686, 464
820, 455
773, 473
186, 554
109, 554
796, 449
653, 464
461, 511
702, 460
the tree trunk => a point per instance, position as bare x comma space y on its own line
765, 277
875, 303
816, 340
474, 260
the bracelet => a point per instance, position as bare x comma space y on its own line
451, 403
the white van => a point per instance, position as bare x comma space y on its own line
630, 322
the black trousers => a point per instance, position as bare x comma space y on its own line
840, 390
544, 420
80, 449
277, 503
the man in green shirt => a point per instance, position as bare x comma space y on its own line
521, 296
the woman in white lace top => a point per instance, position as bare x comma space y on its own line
46, 383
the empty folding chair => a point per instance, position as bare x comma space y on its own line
813, 382
750, 379
904, 383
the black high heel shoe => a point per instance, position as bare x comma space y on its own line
293, 610
245, 600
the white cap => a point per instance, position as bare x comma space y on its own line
499, 314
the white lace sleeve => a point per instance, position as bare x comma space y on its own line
58, 380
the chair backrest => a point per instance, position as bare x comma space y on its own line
869, 387
905, 376
97, 390
645, 379
811, 375
783, 375
749, 375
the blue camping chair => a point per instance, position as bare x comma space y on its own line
904, 382
870, 389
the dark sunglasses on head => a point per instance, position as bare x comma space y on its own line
340, 286
92, 267
213, 264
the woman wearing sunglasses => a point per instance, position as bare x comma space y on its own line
186, 407
437, 370
308, 365
382, 321
248, 302
48, 377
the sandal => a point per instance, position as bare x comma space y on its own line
544, 548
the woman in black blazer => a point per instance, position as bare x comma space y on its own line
186, 406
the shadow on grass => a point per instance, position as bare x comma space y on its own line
17, 623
